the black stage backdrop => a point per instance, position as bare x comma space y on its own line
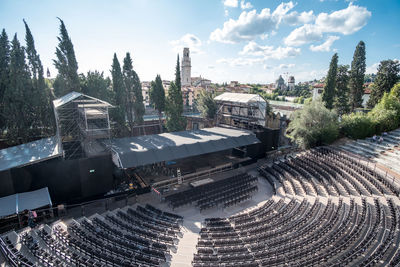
67, 180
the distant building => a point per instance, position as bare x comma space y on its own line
367, 92
280, 83
318, 88
186, 68
146, 93
291, 82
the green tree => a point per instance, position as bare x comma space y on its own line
328, 95
313, 125
39, 100
96, 85
157, 97
4, 74
174, 109
342, 90
135, 107
17, 110
178, 75
206, 104
67, 79
357, 73
118, 114
395, 91
386, 78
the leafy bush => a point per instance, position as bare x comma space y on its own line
313, 125
357, 125
386, 114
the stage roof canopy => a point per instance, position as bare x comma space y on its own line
29, 153
24, 201
142, 150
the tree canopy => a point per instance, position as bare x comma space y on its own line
357, 72
386, 77
157, 97
313, 125
342, 90
67, 79
328, 95
206, 104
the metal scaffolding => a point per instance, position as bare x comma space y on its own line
81, 120
246, 111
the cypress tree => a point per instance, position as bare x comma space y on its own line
4, 74
157, 97
127, 72
42, 118
357, 73
386, 77
342, 90
67, 79
178, 75
328, 95
138, 105
17, 110
174, 108
120, 97
135, 107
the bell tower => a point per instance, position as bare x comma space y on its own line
186, 79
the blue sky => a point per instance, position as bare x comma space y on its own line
244, 40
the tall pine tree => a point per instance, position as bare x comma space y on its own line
42, 118
357, 73
174, 107
342, 90
135, 107
386, 77
157, 97
127, 72
67, 79
4, 74
17, 110
118, 113
328, 96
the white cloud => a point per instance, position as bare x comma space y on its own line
294, 18
286, 66
372, 69
305, 34
188, 40
245, 5
226, 13
325, 46
250, 25
345, 21
269, 52
231, 3
240, 61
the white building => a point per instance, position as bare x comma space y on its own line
186, 68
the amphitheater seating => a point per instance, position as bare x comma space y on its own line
327, 172
224, 193
350, 219
124, 237
386, 152
294, 233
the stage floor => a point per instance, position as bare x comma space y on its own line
193, 165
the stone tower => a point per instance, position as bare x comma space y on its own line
186, 68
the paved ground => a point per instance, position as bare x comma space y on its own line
193, 220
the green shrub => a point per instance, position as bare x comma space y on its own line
313, 125
386, 114
357, 126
